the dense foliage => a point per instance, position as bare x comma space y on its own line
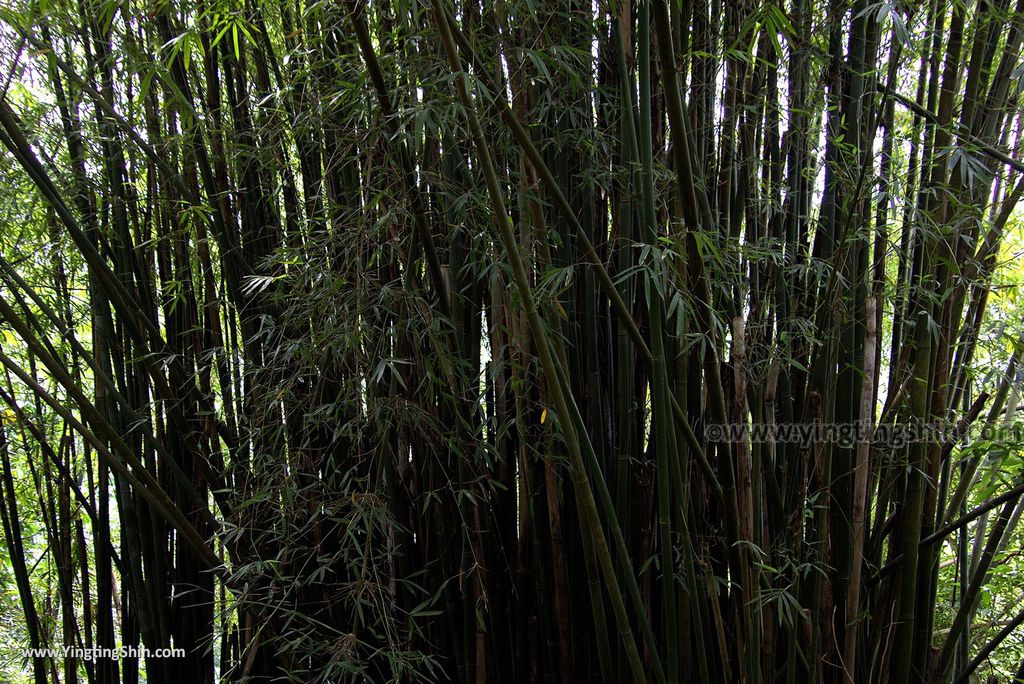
420, 341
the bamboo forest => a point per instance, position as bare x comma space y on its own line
500, 341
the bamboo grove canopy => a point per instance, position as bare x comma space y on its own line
467, 341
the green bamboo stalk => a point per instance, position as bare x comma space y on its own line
589, 517
662, 426
145, 485
623, 315
15, 549
357, 11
